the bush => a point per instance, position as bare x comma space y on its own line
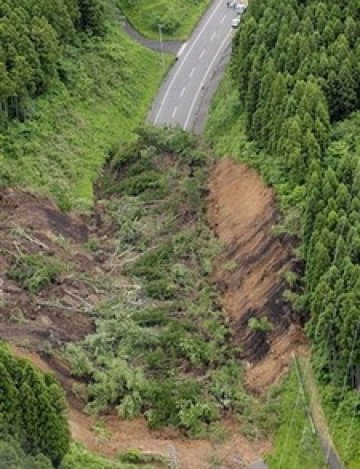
35, 272
196, 417
161, 289
261, 325
151, 182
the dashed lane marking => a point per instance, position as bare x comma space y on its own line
184, 59
221, 47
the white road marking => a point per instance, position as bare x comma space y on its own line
184, 60
182, 92
223, 19
205, 77
174, 112
202, 54
192, 72
213, 35
181, 50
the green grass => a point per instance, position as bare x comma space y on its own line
108, 89
79, 458
344, 423
178, 17
295, 444
225, 130
224, 126
35, 272
161, 348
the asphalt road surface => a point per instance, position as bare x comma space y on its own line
181, 94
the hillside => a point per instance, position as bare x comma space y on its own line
166, 298
101, 91
122, 306
177, 18
293, 117
243, 213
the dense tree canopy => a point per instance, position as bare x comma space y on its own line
297, 68
32, 36
32, 414
296, 64
332, 251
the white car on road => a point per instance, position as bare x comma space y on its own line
240, 8
235, 23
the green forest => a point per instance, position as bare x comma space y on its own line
289, 107
74, 94
32, 38
33, 424
297, 71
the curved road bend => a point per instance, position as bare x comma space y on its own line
180, 96
166, 46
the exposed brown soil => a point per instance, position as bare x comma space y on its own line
30, 225
38, 324
235, 453
250, 272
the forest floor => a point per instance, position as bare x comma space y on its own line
249, 274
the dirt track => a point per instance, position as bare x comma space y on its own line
250, 271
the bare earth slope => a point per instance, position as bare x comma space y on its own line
250, 271
39, 324
249, 274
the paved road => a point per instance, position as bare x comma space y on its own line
166, 46
181, 95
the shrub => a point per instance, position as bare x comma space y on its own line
261, 325
149, 181
35, 272
195, 417
161, 289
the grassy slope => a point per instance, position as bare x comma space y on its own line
344, 425
341, 421
225, 129
295, 445
110, 86
178, 16
79, 458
